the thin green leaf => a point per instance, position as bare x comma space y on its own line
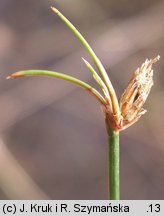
97, 78
98, 63
65, 77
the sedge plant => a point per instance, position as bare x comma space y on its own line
120, 113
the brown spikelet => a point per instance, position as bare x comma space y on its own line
136, 93
132, 100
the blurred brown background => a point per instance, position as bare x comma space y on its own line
53, 139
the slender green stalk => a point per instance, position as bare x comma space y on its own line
68, 78
114, 165
96, 60
83, 42
97, 78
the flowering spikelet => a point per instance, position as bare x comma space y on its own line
134, 97
136, 93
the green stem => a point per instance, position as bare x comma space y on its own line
114, 165
65, 77
97, 78
96, 60
84, 43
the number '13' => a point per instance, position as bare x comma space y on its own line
154, 208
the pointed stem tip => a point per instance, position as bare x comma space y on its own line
54, 10
15, 75
8, 77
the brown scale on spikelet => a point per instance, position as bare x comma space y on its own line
133, 98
